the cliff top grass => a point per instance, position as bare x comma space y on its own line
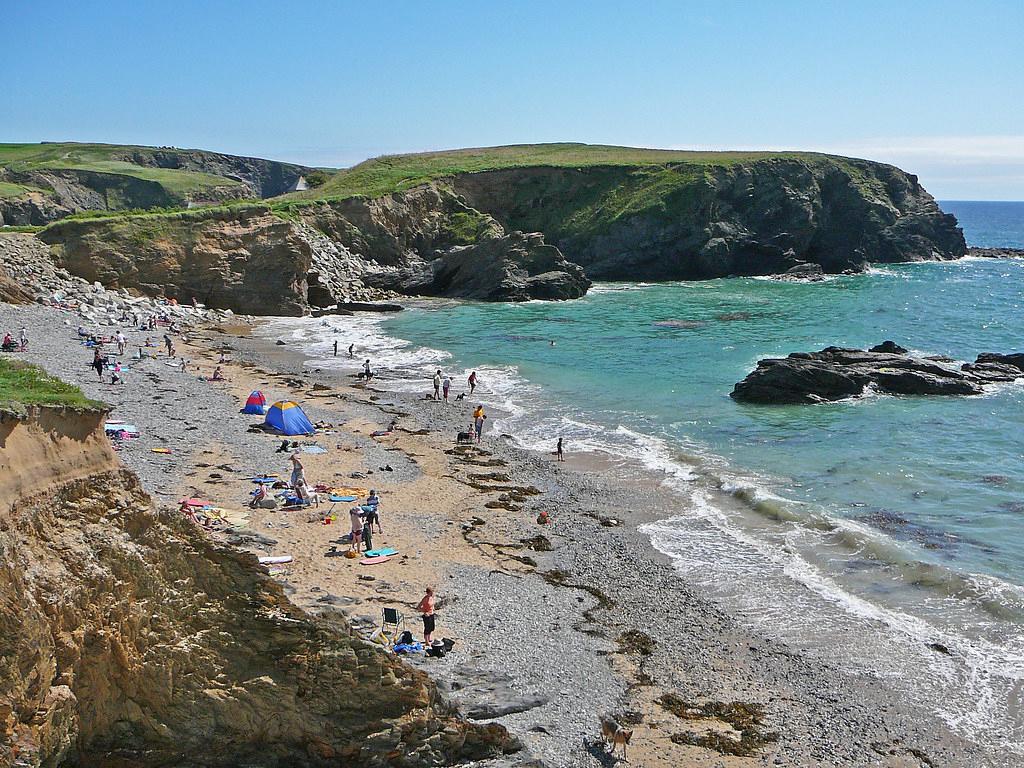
107, 158
22, 384
395, 173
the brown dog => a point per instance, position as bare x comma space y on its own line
614, 735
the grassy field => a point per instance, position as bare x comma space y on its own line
100, 158
24, 384
395, 173
12, 190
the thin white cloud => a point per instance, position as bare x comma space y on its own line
951, 167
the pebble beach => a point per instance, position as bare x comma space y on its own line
554, 625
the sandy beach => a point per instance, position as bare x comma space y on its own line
554, 625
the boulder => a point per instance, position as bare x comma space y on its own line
836, 373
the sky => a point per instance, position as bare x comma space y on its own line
936, 88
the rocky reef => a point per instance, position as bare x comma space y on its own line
836, 373
128, 637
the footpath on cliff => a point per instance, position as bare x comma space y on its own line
554, 625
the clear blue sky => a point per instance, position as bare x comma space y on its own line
935, 87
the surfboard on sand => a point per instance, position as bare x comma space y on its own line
275, 560
374, 560
386, 552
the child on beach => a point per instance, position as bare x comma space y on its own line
472, 382
356, 520
478, 421
558, 451
426, 609
446, 385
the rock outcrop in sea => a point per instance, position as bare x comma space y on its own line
130, 638
837, 373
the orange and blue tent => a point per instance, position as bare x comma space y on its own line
256, 403
288, 419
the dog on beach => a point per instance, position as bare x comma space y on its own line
460, 396
614, 735
464, 437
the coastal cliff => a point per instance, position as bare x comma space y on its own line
677, 222
127, 635
41, 183
517, 223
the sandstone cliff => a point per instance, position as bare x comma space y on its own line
247, 260
127, 637
264, 261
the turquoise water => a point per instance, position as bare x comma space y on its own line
863, 531
944, 475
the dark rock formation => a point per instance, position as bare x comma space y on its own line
686, 221
889, 348
836, 373
512, 267
996, 253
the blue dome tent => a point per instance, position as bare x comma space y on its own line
288, 419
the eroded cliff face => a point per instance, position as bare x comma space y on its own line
423, 242
246, 260
127, 636
687, 222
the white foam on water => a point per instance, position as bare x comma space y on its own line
761, 574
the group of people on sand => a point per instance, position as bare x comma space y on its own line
10, 345
362, 519
443, 385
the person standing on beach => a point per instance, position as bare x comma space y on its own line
446, 386
472, 382
335, 347
298, 471
351, 350
23, 339
558, 450
122, 342
437, 384
356, 520
97, 363
169, 344
426, 609
367, 373
478, 421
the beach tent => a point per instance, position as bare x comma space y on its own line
256, 403
288, 419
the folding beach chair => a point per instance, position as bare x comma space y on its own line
391, 622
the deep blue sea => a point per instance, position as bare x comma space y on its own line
862, 531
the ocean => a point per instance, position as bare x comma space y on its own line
884, 534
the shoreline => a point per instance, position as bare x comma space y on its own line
602, 622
